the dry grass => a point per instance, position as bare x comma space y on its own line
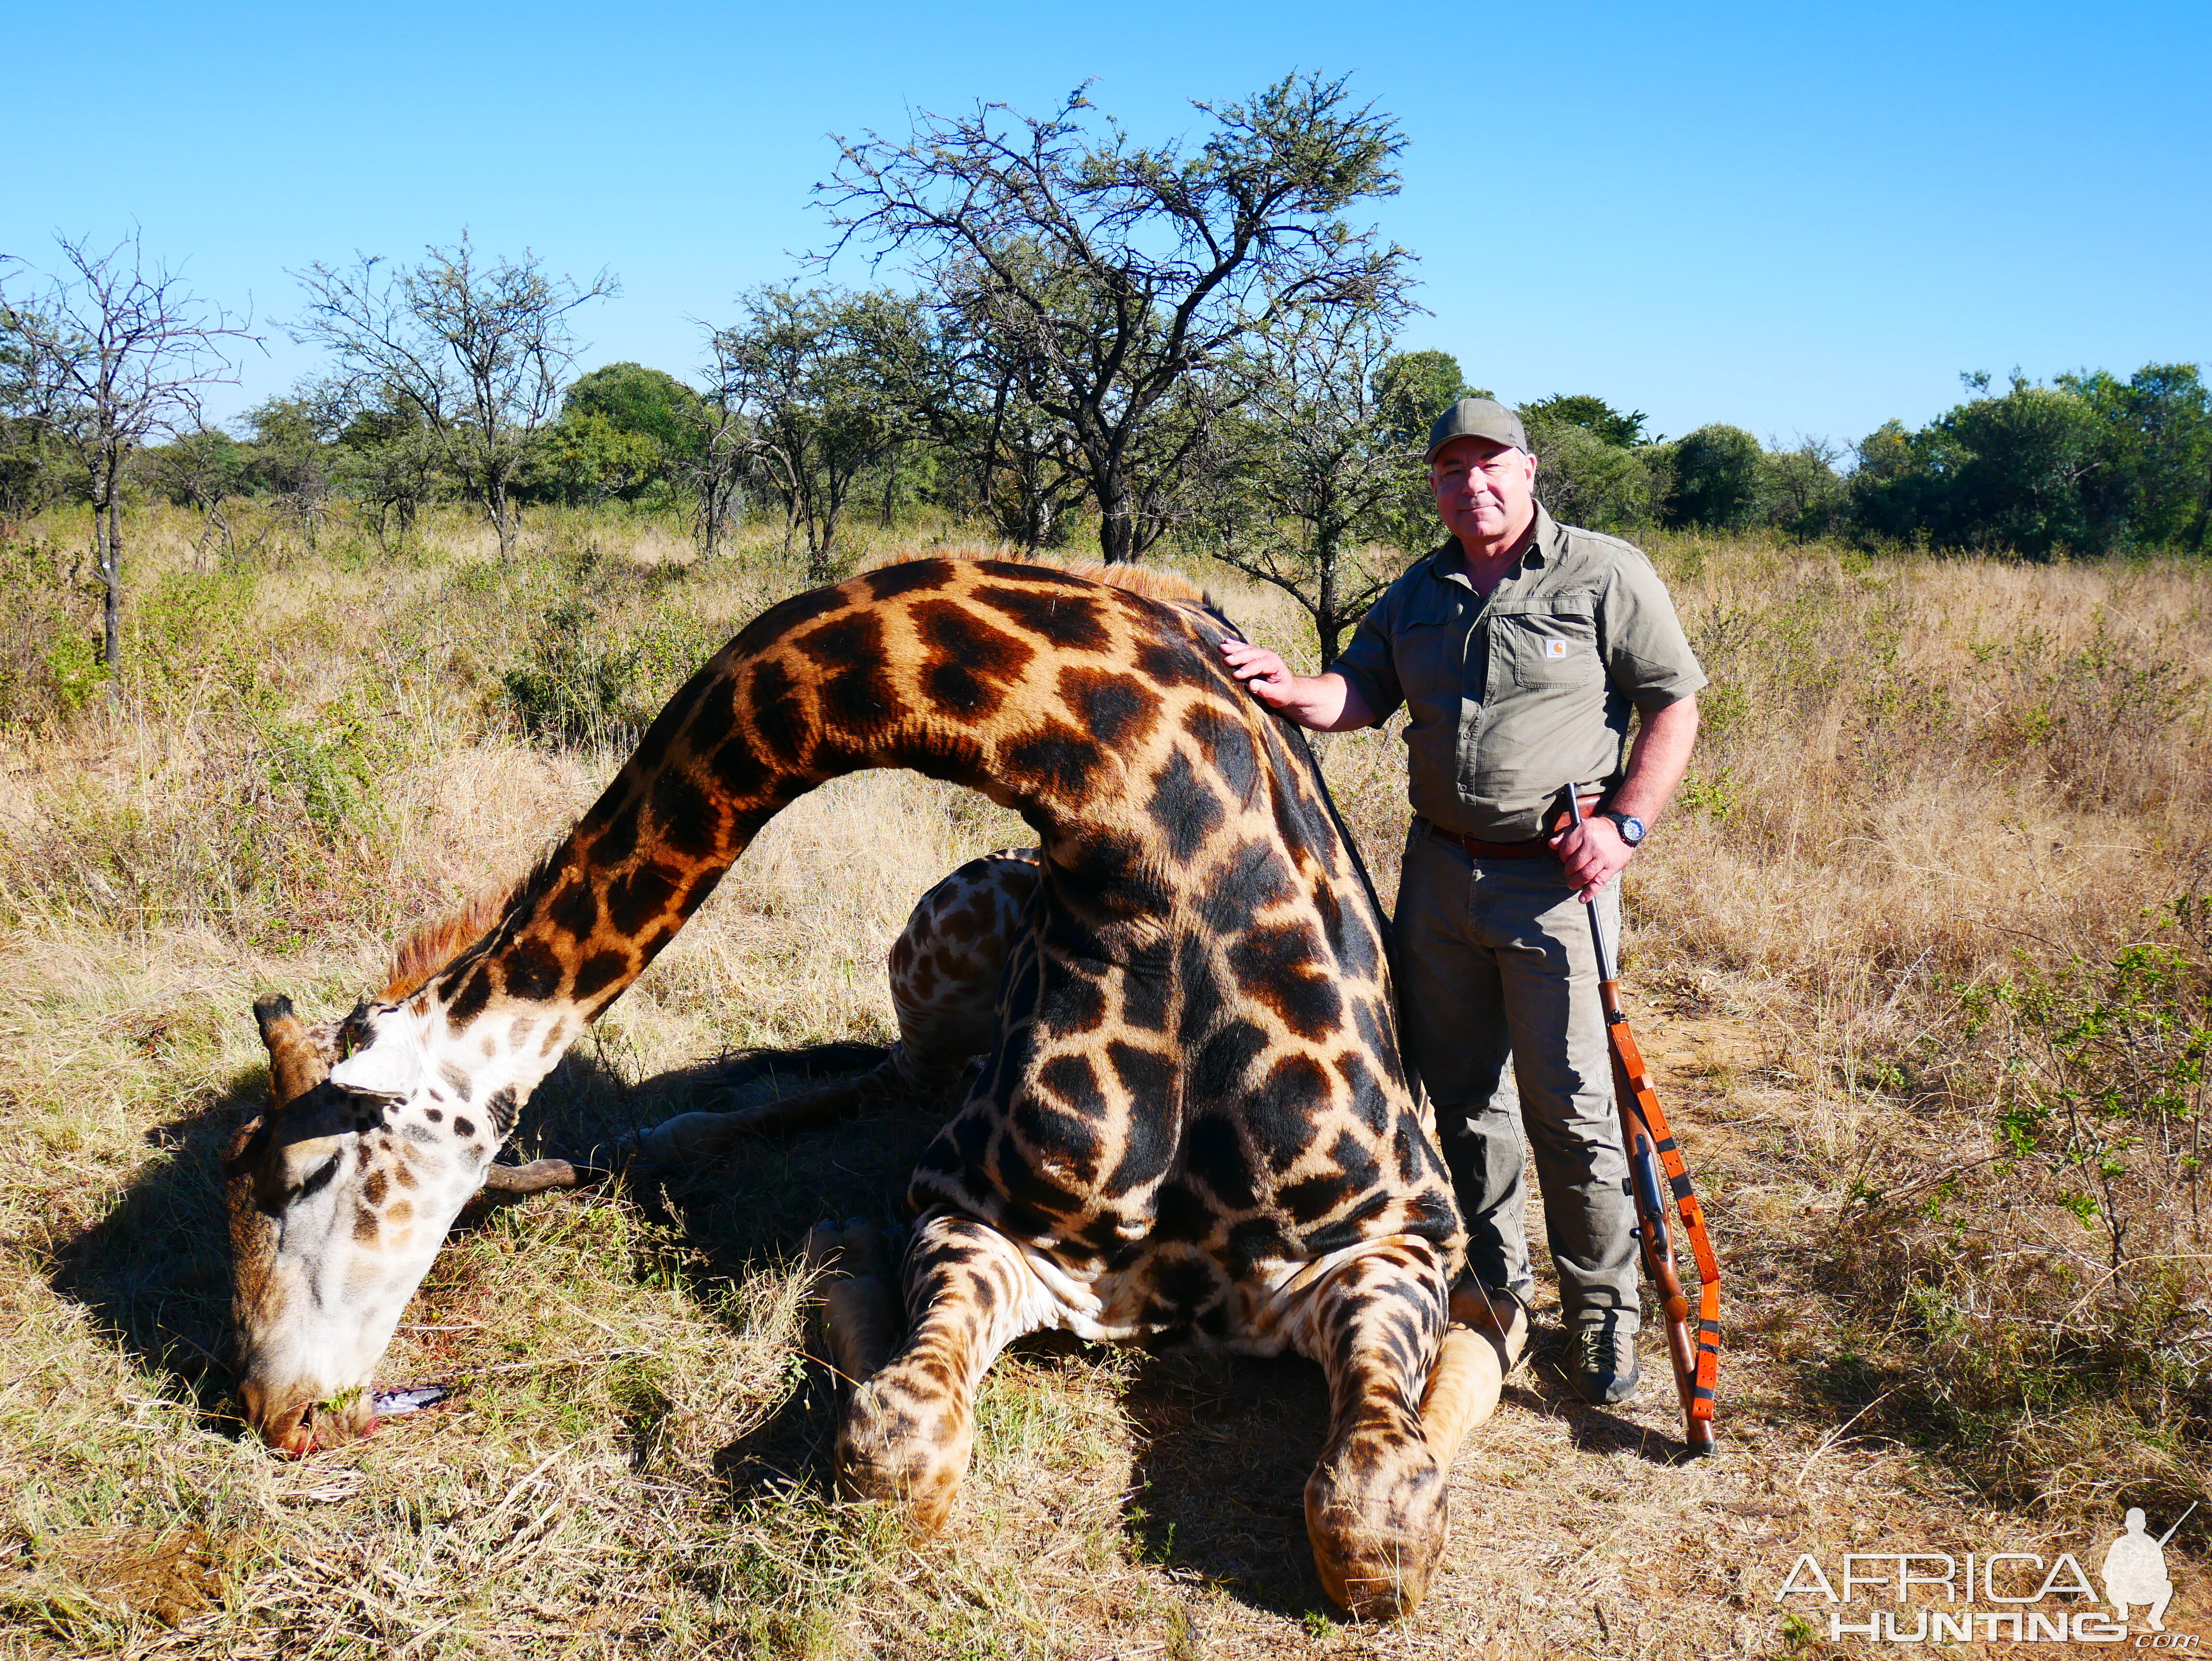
1921, 782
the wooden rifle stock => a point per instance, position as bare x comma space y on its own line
1649, 1144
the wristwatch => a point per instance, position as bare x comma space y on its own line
1630, 827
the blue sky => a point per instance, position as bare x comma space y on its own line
1799, 218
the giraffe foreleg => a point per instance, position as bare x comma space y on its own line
909, 1428
863, 1316
1400, 1397
691, 1137
1462, 1391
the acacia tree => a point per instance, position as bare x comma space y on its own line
714, 468
975, 390
1412, 389
812, 376
199, 470
390, 458
113, 352
290, 458
27, 483
1310, 467
1131, 272
475, 352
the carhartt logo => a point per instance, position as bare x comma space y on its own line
1555, 649
2033, 1601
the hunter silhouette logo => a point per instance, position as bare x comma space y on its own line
2028, 1600
2135, 1570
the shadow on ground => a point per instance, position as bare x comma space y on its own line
154, 1270
1226, 1445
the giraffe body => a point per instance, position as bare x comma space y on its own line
945, 970
1192, 1122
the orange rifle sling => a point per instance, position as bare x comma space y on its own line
1642, 1100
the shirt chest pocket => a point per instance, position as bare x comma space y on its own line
1547, 642
1430, 648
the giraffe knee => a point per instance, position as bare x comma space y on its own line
1377, 1514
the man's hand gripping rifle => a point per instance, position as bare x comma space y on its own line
1651, 1146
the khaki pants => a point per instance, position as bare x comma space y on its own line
1495, 965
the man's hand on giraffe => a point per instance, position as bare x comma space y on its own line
1326, 703
1265, 675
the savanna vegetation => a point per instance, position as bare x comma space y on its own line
1923, 955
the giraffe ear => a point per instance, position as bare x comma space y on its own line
387, 1061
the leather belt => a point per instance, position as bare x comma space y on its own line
1535, 848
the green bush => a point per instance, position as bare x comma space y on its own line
49, 662
330, 766
1716, 479
573, 691
1585, 480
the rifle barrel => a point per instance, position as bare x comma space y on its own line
2178, 1522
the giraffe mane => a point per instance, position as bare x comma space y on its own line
1172, 586
431, 947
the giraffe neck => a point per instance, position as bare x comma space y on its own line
944, 668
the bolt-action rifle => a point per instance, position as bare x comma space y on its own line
1651, 1146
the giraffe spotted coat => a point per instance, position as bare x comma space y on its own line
1192, 1121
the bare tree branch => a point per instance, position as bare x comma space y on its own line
475, 352
113, 352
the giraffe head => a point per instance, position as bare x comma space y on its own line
340, 1195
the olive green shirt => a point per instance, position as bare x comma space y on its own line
1512, 697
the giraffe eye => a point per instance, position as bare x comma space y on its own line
321, 1178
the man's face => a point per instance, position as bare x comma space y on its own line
1485, 491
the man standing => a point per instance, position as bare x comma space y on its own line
1520, 647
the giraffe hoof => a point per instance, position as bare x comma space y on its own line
1376, 1519
884, 1454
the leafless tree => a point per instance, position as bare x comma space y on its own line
1308, 466
115, 350
810, 373
1128, 272
475, 352
714, 470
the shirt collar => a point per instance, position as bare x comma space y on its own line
1543, 545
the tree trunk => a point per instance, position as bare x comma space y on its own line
1117, 523
107, 556
822, 534
111, 573
502, 518
1328, 626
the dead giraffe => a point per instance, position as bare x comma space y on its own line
1193, 1122
945, 970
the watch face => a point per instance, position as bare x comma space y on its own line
1631, 828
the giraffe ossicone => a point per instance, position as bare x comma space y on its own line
1191, 1120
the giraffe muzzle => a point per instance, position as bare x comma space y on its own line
302, 1427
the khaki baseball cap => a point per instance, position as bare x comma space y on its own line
1477, 417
